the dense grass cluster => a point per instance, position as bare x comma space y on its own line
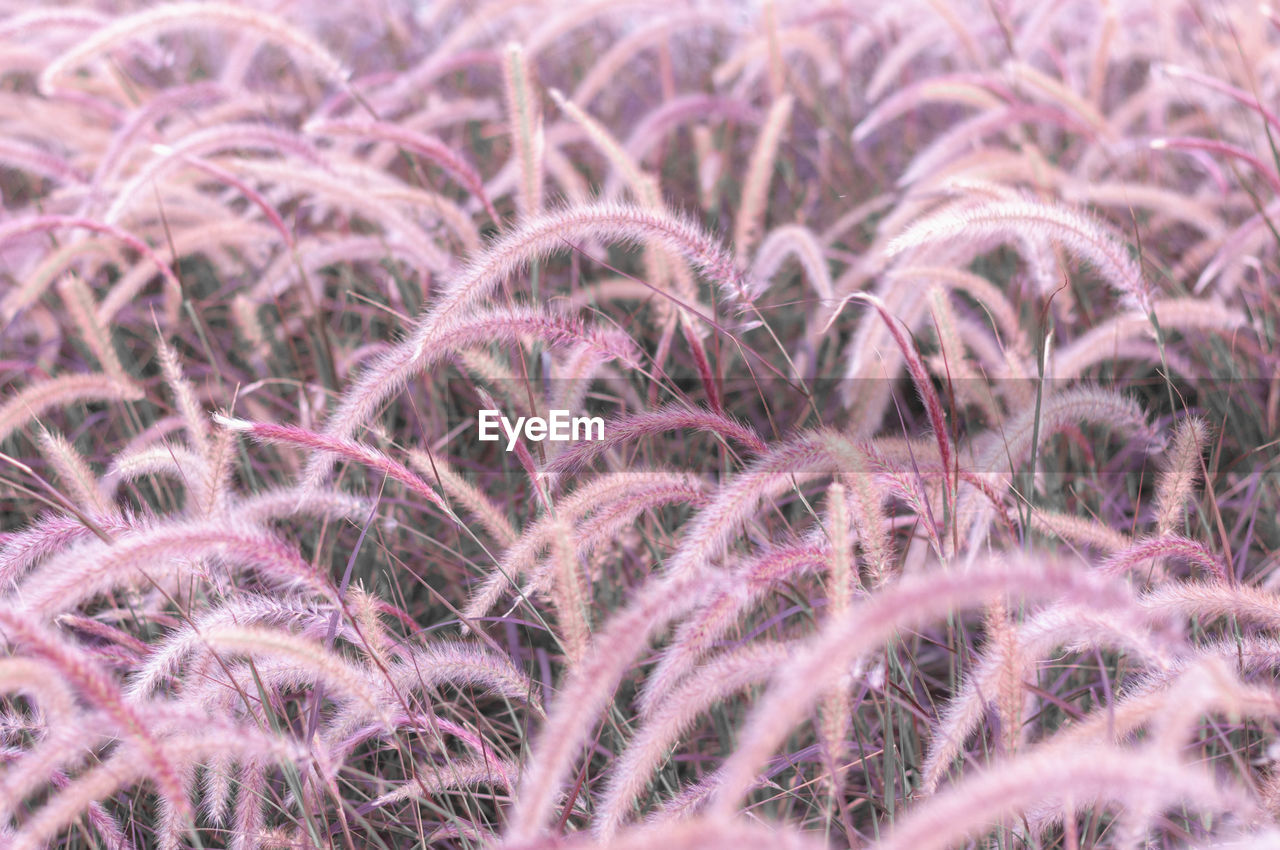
936, 344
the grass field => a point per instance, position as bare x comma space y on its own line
934, 499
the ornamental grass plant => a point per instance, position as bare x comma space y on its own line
937, 502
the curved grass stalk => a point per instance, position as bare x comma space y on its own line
428, 146
631, 772
1150, 640
458, 663
171, 16
722, 608
911, 601
651, 130
967, 89
1004, 220
165, 551
1143, 552
609, 64
572, 715
35, 399
671, 417
247, 609
624, 496
802, 243
192, 148
24, 631
307, 657
533, 239
46, 223
1063, 778
128, 765
606, 525
474, 500
433, 779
